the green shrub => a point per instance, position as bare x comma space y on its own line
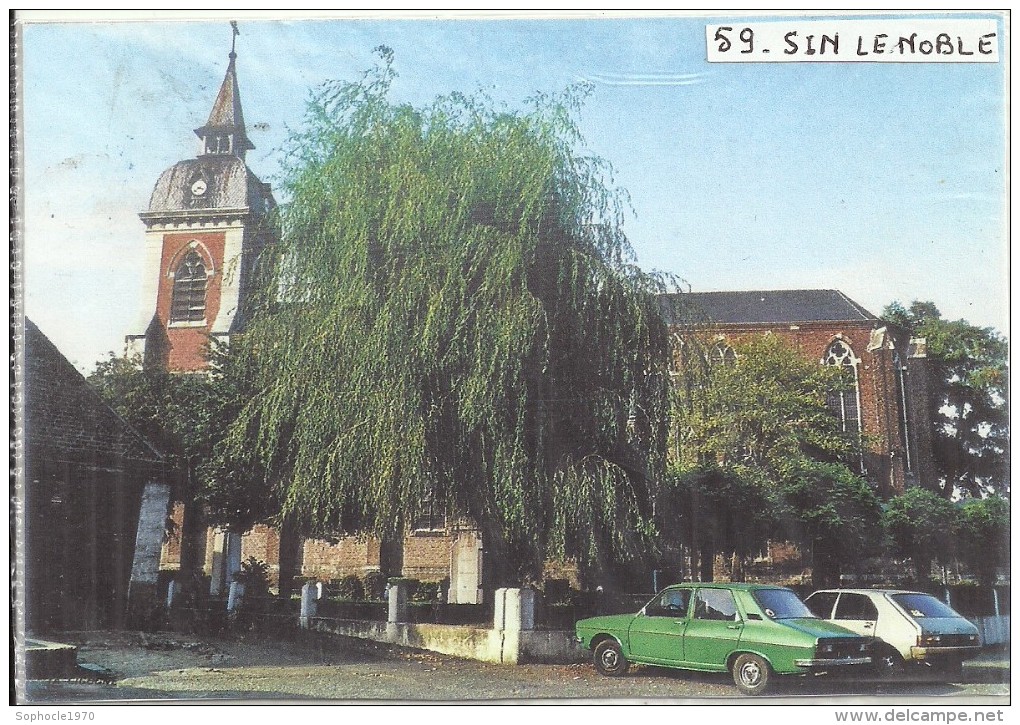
350, 587
375, 585
425, 592
254, 575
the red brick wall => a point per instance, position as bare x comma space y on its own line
171, 554
323, 560
263, 544
427, 556
921, 408
187, 346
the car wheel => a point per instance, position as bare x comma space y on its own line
609, 659
888, 662
751, 674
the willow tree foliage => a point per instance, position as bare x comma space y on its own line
453, 316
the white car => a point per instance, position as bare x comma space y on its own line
912, 627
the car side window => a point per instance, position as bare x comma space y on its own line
670, 603
715, 605
855, 606
821, 603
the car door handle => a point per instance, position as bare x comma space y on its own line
734, 626
681, 622
869, 625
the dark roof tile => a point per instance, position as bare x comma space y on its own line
758, 307
64, 413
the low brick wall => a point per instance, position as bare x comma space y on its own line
551, 647
474, 643
50, 660
994, 630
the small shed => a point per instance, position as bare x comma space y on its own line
86, 471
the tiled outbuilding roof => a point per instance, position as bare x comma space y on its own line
765, 307
65, 417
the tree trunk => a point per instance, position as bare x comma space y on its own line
707, 564
290, 557
825, 568
736, 568
193, 543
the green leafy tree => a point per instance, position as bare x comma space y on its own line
756, 455
171, 411
453, 315
185, 415
983, 530
970, 368
920, 524
834, 513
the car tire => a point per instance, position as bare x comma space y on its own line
609, 659
751, 674
888, 662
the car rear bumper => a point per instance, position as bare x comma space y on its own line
925, 654
835, 662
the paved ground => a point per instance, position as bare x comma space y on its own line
169, 666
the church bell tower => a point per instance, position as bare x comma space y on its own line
205, 227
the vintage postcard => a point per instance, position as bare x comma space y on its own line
469, 357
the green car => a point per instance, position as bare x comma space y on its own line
751, 630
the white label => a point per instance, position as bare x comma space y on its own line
899, 40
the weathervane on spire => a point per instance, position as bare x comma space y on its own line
233, 37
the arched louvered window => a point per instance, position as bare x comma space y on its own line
845, 403
188, 303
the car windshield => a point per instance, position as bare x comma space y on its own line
781, 604
920, 606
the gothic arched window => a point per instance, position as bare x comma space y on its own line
188, 303
723, 353
845, 403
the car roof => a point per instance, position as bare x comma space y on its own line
743, 586
869, 591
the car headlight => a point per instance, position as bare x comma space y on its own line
927, 640
823, 648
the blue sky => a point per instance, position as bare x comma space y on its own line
884, 180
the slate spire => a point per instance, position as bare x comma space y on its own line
224, 133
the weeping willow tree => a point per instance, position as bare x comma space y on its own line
454, 316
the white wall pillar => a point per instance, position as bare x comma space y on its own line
148, 544
466, 569
397, 610
233, 555
235, 597
226, 562
217, 574
309, 605
514, 610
